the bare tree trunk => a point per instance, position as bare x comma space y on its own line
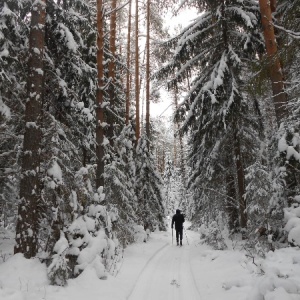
137, 88
148, 76
276, 76
111, 66
128, 66
99, 96
28, 210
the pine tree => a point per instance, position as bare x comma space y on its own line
29, 206
276, 75
137, 73
100, 97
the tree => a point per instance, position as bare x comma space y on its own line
148, 74
99, 96
28, 210
137, 76
111, 65
215, 106
276, 76
13, 49
128, 65
148, 189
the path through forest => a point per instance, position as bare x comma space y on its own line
193, 271
168, 275
160, 270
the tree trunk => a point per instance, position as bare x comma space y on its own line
273, 5
231, 206
276, 76
128, 66
28, 209
111, 66
181, 163
137, 88
99, 97
148, 76
240, 180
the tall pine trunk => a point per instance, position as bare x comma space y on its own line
99, 97
28, 210
276, 76
148, 76
128, 66
111, 66
137, 83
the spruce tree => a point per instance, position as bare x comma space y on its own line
215, 48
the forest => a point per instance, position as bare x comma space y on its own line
84, 168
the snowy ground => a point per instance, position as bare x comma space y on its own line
160, 270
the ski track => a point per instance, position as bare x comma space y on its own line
167, 275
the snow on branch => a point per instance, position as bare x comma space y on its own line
293, 34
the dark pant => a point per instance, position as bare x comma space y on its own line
179, 234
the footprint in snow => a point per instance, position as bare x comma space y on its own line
174, 282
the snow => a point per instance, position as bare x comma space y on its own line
292, 217
4, 53
61, 245
160, 270
4, 110
69, 38
39, 71
55, 171
290, 150
6, 11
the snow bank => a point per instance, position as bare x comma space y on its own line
19, 275
292, 217
140, 234
280, 276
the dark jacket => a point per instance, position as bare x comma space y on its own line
178, 219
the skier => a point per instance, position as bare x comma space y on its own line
178, 219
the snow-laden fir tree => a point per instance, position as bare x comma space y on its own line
13, 49
120, 175
148, 189
215, 49
68, 120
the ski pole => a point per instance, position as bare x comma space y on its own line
186, 236
172, 235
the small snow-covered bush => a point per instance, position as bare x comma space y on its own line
58, 271
88, 242
140, 234
292, 227
212, 236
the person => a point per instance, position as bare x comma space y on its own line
178, 219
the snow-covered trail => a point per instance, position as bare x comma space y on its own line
162, 271
167, 276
